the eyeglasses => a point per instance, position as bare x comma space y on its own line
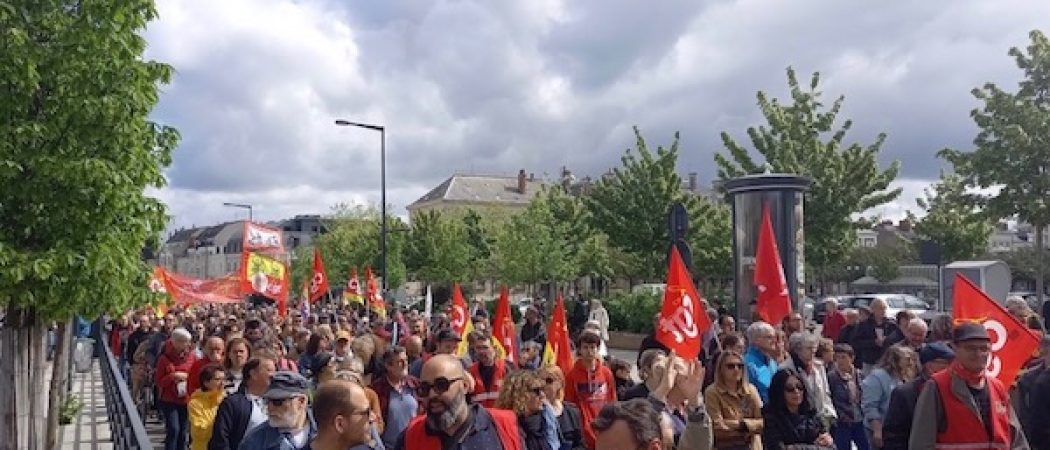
734, 366
537, 391
367, 412
550, 380
793, 388
278, 402
440, 385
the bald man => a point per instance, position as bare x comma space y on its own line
345, 419
450, 421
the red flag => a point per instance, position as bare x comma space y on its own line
319, 282
352, 292
559, 349
458, 317
375, 298
1012, 342
503, 326
683, 319
773, 302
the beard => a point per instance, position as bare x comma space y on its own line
283, 421
445, 416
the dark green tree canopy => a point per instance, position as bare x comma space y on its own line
954, 219
802, 137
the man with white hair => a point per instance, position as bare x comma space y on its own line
802, 348
870, 338
760, 357
173, 367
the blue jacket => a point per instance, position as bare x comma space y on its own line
266, 437
760, 370
876, 390
231, 421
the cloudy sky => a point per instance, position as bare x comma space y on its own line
495, 86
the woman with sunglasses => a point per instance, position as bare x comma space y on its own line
524, 392
734, 406
204, 404
790, 422
568, 416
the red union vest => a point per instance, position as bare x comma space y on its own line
486, 395
965, 430
416, 437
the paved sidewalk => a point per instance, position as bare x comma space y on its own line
91, 429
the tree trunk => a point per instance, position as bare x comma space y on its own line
23, 398
59, 379
1039, 263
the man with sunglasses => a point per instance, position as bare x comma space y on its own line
450, 423
289, 424
344, 417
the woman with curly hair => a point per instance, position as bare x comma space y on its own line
567, 415
896, 367
524, 393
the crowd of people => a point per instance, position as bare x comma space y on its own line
338, 377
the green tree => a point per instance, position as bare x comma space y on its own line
352, 240
631, 205
531, 248
1013, 145
438, 249
77, 153
953, 219
802, 138
481, 239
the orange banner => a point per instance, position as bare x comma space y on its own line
185, 290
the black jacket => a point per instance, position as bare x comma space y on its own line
533, 429
782, 429
1038, 415
649, 342
135, 339
896, 428
534, 332
639, 390
570, 428
864, 340
231, 422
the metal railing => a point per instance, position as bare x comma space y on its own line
124, 420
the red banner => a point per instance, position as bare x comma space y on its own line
1012, 342
352, 292
683, 319
262, 238
773, 302
319, 282
458, 316
558, 350
375, 297
503, 326
186, 291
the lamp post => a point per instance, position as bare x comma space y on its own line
241, 205
382, 189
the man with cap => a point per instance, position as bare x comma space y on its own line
289, 424
1033, 403
446, 344
896, 428
962, 407
342, 345
345, 419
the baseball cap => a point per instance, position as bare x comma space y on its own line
445, 334
320, 362
341, 335
934, 351
286, 384
970, 331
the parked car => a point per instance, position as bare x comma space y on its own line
895, 303
818, 308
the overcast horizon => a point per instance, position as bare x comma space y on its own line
494, 87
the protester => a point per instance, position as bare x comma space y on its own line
780, 352
344, 417
650, 366
314, 346
284, 363
488, 370
590, 385
599, 314
324, 369
1033, 402
852, 320
594, 327
941, 328
834, 320
449, 419
788, 418
531, 355
802, 359
568, 416
342, 344
173, 366
622, 373
650, 342
244, 410
204, 404
896, 429
289, 424
396, 390
914, 332
760, 360
214, 351
633, 424
846, 393
680, 402
237, 354
826, 352
532, 329
726, 325
896, 367
1019, 308
902, 319
791, 324
523, 393
869, 339
734, 405
413, 348
445, 341
944, 413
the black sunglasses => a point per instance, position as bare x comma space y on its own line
550, 380
537, 391
734, 366
440, 385
794, 388
278, 402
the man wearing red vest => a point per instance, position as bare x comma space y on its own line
488, 371
452, 424
590, 385
964, 408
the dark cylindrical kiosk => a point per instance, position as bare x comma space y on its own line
784, 194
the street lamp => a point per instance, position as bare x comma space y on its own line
382, 189
241, 205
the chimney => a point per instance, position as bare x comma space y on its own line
532, 176
566, 178
522, 181
904, 226
693, 185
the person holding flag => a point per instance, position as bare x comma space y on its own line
945, 414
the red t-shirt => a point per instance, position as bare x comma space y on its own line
590, 391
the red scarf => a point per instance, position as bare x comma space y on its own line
970, 377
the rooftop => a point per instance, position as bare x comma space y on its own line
483, 189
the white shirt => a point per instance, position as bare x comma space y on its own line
258, 413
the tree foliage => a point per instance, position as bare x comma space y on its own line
438, 249
352, 240
954, 220
1012, 147
77, 152
530, 248
802, 137
631, 205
